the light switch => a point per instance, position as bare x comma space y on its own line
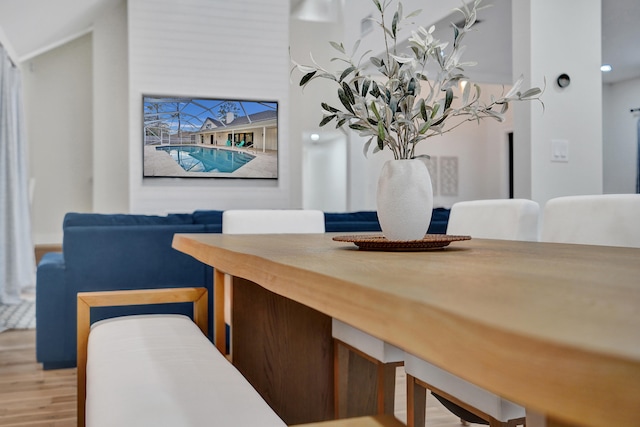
559, 150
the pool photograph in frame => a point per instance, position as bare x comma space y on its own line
187, 137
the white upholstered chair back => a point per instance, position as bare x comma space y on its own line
268, 221
504, 219
605, 219
272, 221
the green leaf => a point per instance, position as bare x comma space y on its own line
531, 92
414, 13
375, 90
394, 25
305, 79
349, 93
411, 88
374, 109
424, 128
448, 99
436, 107
367, 144
346, 72
465, 93
438, 55
356, 126
338, 47
329, 108
439, 121
327, 119
377, 62
380, 143
381, 135
393, 104
377, 3
365, 86
345, 100
423, 110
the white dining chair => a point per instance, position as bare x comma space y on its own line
503, 219
605, 219
510, 219
272, 221
267, 221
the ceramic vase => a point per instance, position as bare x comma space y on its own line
404, 199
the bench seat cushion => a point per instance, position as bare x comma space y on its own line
160, 370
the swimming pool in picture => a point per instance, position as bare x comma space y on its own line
207, 159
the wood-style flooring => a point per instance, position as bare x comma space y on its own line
32, 397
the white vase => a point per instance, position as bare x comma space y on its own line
404, 199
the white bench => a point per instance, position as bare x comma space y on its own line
161, 370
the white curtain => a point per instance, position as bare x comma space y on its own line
17, 259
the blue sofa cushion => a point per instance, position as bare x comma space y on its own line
439, 221
207, 217
74, 219
361, 216
351, 221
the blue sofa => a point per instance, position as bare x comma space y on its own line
106, 252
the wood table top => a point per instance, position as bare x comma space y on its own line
554, 327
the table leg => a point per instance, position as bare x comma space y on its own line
219, 327
285, 350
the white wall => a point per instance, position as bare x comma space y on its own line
356, 10
573, 114
6, 43
110, 112
233, 49
620, 136
58, 98
325, 173
482, 153
306, 111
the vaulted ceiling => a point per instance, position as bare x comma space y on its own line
36, 26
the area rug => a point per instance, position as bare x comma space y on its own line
18, 316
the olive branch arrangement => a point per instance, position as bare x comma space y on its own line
387, 106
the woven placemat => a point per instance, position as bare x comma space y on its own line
377, 242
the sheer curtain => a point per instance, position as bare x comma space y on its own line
17, 259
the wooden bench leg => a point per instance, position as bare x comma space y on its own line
219, 325
351, 364
416, 403
86, 300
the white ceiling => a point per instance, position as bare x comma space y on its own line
35, 26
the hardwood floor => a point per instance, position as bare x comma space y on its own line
32, 397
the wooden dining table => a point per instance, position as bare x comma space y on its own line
553, 327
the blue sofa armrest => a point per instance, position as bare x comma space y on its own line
50, 290
107, 257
